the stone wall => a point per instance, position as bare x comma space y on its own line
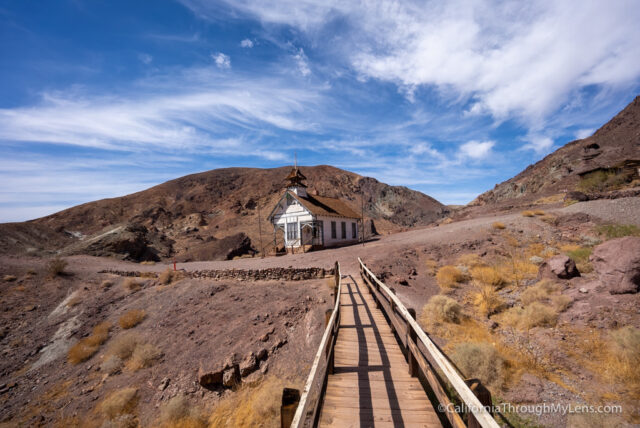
282, 274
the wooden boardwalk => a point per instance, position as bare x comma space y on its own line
371, 384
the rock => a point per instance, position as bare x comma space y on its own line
230, 377
262, 354
617, 263
248, 365
558, 267
163, 384
576, 196
583, 290
264, 367
528, 389
211, 377
403, 281
536, 260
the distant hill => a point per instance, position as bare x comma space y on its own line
210, 215
593, 158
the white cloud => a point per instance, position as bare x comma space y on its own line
145, 58
539, 144
222, 61
476, 149
584, 133
302, 62
246, 43
513, 59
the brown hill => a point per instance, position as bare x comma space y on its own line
605, 161
210, 215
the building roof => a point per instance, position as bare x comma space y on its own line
322, 205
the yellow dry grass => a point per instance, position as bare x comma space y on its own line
120, 402
488, 275
131, 284
487, 299
449, 277
169, 276
432, 266
533, 315
144, 355
179, 413
440, 309
469, 260
498, 225
528, 213
85, 348
250, 406
132, 318
539, 212
9, 278
558, 197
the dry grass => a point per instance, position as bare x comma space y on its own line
624, 357
469, 260
148, 263
111, 365
75, 301
488, 275
132, 318
449, 276
539, 212
251, 406
85, 348
179, 413
144, 355
538, 293
581, 257
533, 315
123, 345
487, 299
498, 225
170, 276
56, 266
528, 213
549, 219
599, 181
432, 266
440, 309
331, 283
447, 220
558, 197
106, 284
9, 278
131, 284
611, 231
120, 402
480, 360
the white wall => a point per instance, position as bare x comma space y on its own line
328, 240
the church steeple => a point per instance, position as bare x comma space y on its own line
295, 181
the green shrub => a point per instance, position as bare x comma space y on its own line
481, 361
612, 231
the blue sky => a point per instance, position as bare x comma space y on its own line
104, 98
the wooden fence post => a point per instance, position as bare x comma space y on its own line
290, 400
483, 395
413, 337
327, 317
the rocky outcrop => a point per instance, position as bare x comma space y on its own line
558, 267
226, 248
617, 263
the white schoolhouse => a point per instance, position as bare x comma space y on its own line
312, 221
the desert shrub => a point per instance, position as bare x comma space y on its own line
625, 356
449, 276
581, 257
481, 361
539, 212
611, 231
56, 266
106, 284
558, 197
85, 348
123, 345
148, 263
257, 405
111, 365
535, 314
144, 355
469, 260
74, 301
598, 181
178, 412
487, 299
131, 284
120, 402
9, 278
549, 219
432, 266
528, 213
447, 220
132, 318
498, 225
440, 309
487, 275
331, 283
561, 303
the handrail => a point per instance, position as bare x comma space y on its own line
472, 403
327, 338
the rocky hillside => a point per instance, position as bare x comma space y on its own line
616, 142
207, 216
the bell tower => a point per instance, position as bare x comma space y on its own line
295, 181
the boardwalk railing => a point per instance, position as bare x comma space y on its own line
424, 356
297, 409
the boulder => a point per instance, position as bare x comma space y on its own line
211, 377
220, 249
231, 377
576, 196
248, 365
561, 267
617, 263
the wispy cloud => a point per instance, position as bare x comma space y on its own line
222, 61
246, 43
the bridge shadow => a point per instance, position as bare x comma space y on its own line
363, 369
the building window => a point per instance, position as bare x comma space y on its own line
292, 231
334, 234
344, 229
354, 230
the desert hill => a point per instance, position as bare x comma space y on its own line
209, 215
601, 162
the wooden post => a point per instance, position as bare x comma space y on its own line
483, 395
330, 365
413, 337
290, 400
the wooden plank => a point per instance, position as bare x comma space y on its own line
482, 416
